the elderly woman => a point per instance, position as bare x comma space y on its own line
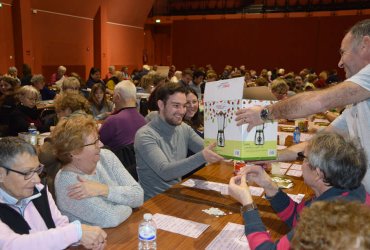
69, 103
29, 218
26, 112
332, 167
38, 81
93, 186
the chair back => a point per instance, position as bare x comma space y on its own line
126, 154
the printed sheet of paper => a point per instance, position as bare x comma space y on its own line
293, 172
296, 197
180, 226
285, 165
296, 167
321, 120
231, 237
218, 187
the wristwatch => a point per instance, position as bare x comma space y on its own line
265, 115
248, 207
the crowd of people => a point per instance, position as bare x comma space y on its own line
95, 119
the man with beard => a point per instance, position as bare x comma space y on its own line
162, 145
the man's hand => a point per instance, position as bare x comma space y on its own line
239, 190
252, 116
211, 156
259, 176
86, 189
93, 237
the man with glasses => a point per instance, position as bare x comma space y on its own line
332, 167
354, 121
29, 218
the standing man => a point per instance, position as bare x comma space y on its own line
355, 120
162, 145
120, 128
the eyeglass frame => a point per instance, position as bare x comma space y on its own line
38, 170
93, 143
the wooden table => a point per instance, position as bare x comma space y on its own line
188, 203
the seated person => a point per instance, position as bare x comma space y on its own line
332, 167
91, 179
120, 128
38, 81
113, 81
193, 117
162, 145
94, 77
26, 112
101, 107
29, 218
58, 77
69, 103
71, 83
280, 89
8, 102
333, 225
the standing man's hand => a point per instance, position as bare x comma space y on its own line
252, 116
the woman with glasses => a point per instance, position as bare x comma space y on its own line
332, 167
93, 186
29, 218
26, 112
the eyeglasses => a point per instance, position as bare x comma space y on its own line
96, 142
301, 156
27, 175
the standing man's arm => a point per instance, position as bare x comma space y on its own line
307, 103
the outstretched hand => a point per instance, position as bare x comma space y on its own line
250, 116
210, 155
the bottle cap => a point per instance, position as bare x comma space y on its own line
148, 216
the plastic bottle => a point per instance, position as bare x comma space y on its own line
147, 233
32, 132
297, 135
143, 106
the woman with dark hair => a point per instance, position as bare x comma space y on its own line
94, 77
100, 106
192, 116
8, 89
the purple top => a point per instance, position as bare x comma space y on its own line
119, 129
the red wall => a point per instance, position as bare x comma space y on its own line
61, 40
291, 43
6, 41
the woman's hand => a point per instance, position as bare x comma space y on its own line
239, 190
86, 189
258, 175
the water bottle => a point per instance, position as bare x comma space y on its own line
147, 233
143, 106
32, 133
297, 135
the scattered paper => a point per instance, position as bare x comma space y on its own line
231, 237
180, 226
321, 120
296, 197
218, 187
293, 172
285, 165
296, 167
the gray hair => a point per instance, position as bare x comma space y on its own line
28, 89
359, 30
11, 148
343, 164
61, 68
37, 78
12, 69
126, 89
